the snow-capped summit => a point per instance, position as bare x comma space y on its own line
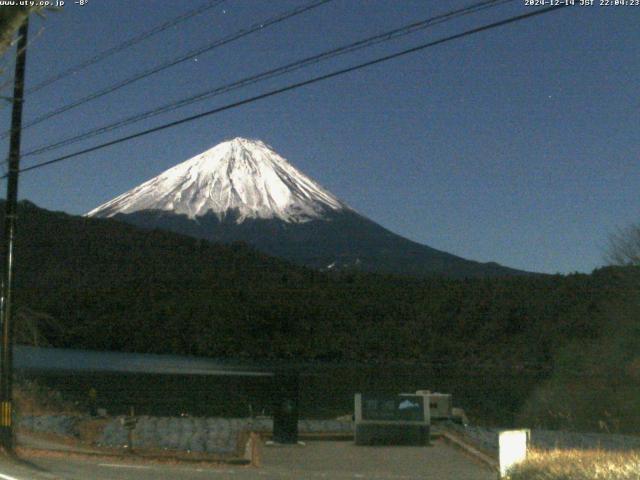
246, 178
243, 191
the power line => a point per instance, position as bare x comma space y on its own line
296, 86
176, 61
288, 68
124, 45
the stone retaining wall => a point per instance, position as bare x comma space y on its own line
59, 424
189, 434
210, 435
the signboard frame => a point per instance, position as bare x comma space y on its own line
397, 428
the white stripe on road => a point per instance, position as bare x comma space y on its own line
117, 465
7, 477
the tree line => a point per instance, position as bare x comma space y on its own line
102, 284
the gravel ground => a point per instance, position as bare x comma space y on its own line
316, 460
345, 460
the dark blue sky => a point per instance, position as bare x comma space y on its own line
518, 145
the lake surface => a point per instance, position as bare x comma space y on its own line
175, 385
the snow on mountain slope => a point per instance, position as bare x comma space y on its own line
240, 176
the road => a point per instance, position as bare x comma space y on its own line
316, 460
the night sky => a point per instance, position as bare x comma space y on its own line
518, 145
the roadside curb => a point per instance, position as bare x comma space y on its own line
465, 446
142, 457
52, 445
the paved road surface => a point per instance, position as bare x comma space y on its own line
316, 460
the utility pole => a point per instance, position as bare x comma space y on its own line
6, 359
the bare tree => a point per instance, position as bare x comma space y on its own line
624, 246
10, 20
32, 327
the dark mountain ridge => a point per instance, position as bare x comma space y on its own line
242, 190
340, 240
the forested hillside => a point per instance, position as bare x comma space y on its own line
108, 285
532, 344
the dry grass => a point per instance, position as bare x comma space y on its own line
31, 398
579, 465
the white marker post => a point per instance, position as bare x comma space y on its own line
513, 449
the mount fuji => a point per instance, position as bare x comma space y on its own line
242, 190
